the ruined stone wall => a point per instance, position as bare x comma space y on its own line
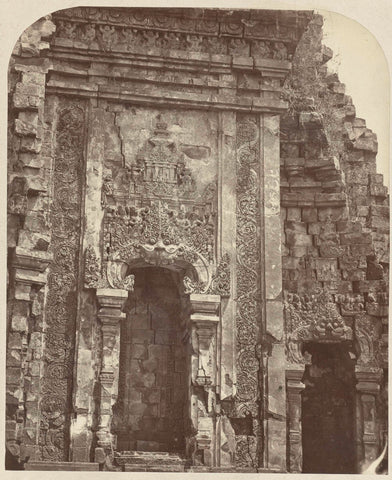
335, 213
29, 235
93, 116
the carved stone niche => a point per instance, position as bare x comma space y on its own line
312, 318
204, 321
309, 318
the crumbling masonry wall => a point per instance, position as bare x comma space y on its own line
335, 212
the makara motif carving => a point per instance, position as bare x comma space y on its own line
220, 282
62, 282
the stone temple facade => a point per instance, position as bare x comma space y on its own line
197, 248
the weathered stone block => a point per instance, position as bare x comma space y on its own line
166, 337
142, 336
139, 351
309, 214
333, 214
294, 239
294, 214
137, 408
13, 375
327, 269
330, 199
299, 227
314, 228
355, 238
150, 365
25, 128
378, 190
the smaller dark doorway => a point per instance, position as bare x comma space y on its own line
328, 403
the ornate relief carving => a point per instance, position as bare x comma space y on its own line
117, 278
220, 282
248, 315
173, 220
366, 332
92, 268
131, 233
62, 281
125, 32
350, 304
312, 317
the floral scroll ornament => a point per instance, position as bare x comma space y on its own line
92, 268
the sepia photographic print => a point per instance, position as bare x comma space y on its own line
197, 247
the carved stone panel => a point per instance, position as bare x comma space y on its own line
160, 197
61, 301
248, 295
312, 317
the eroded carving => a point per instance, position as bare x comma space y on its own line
312, 317
92, 268
174, 221
366, 332
220, 282
248, 316
126, 33
62, 282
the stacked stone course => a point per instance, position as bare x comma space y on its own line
334, 206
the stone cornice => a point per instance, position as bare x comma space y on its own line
169, 98
269, 24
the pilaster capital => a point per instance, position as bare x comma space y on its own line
111, 302
369, 379
294, 379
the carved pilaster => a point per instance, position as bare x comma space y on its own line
368, 388
111, 302
204, 320
294, 387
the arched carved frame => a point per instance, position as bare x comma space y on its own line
315, 317
112, 291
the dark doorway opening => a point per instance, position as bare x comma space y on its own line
328, 406
153, 379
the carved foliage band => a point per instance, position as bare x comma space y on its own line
62, 282
137, 30
248, 281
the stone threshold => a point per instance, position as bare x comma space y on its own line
63, 466
90, 466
